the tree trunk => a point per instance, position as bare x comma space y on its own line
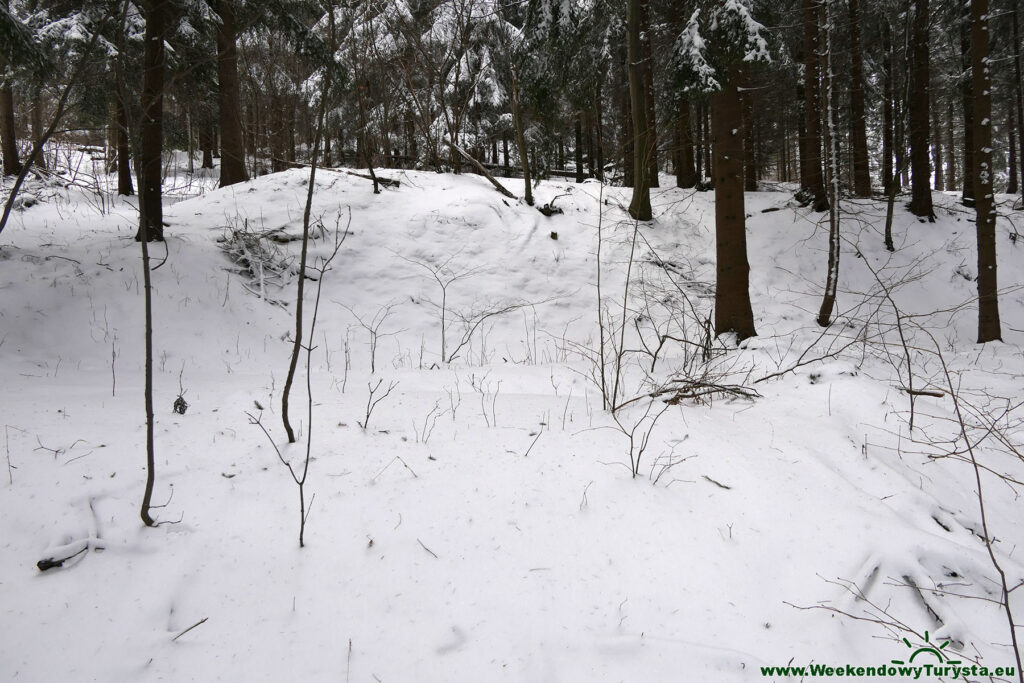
1011, 134
782, 164
206, 146
940, 180
626, 122
578, 154
232, 164
588, 134
988, 302
709, 168
811, 177
1018, 91
921, 176
699, 151
950, 147
38, 129
599, 132
900, 140
124, 166
289, 130
858, 125
686, 175
151, 226
967, 99
828, 300
640, 206
888, 118
732, 296
647, 57
8, 137
749, 157
524, 157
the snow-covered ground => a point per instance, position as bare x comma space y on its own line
485, 525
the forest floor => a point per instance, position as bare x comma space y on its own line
486, 524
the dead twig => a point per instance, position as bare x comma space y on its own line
428, 549
198, 623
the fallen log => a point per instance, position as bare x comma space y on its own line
386, 182
480, 168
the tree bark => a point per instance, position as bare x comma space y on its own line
1011, 134
936, 134
988, 301
8, 137
653, 168
588, 135
38, 129
640, 206
232, 163
709, 168
967, 100
732, 296
151, 225
950, 147
524, 157
828, 300
699, 146
749, 157
921, 181
124, 150
686, 175
626, 121
1018, 90
599, 133
888, 118
206, 146
858, 124
578, 153
812, 179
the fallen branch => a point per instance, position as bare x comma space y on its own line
696, 389
682, 389
428, 549
386, 182
480, 169
717, 483
198, 623
922, 392
67, 552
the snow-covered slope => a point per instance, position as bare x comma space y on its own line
485, 525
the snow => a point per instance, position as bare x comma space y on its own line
497, 536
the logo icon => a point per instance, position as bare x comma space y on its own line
928, 649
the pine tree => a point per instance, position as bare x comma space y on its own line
716, 66
984, 199
921, 187
858, 122
232, 169
643, 144
811, 178
151, 226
